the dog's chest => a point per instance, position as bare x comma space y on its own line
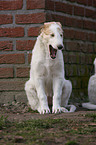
49, 68
46, 69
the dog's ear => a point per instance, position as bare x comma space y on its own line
45, 29
59, 24
41, 29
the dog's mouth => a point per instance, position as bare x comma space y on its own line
53, 52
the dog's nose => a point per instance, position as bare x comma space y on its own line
60, 47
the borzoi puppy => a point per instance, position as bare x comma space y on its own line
47, 76
91, 91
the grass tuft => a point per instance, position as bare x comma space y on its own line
71, 143
4, 123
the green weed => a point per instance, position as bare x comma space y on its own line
39, 124
4, 123
71, 143
32, 111
91, 115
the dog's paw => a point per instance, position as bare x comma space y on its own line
56, 110
44, 111
64, 109
59, 110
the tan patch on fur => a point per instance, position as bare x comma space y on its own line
59, 24
46, 30
60, 30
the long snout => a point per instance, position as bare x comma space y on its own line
60, 47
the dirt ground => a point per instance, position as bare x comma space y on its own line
20, 112
65, 128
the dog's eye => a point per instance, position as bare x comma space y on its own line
61, 35
52, 35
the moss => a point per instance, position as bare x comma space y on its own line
71, 143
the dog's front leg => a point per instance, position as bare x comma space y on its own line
43, 103
57, 91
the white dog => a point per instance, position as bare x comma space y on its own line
91, 91
47, 72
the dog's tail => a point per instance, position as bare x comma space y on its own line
72, 108
89, 106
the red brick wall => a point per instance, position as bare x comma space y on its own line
19, 26
79, 23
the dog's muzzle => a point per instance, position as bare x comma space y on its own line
60, 47
53, 51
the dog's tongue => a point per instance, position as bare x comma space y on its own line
53, 52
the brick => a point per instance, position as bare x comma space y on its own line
25, 44
6, 72
78, 23
73, 22
80, 35
75, 92
78, 11
90, 25
81, 70
12, 32
6, 97
6, 19
89, 59
11, 5
82, 58
12, 85
35, 4
49, 17
84, 2
73, 46
21, 97
83, 84
33, 31
94, 3
84, 47
90, 3
66, 70
74, 58
72, 70
12, 59
29, 57
68, 33
92, 37
69, 21
76, 82
63, 7
72, 0
30, 18
6, 45
65, 54
55, 17
22, 72
65, 20
90, 48
90, 13
50, 5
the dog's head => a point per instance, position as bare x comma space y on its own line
52, 35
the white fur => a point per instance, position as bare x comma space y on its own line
91, 91
47, 75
